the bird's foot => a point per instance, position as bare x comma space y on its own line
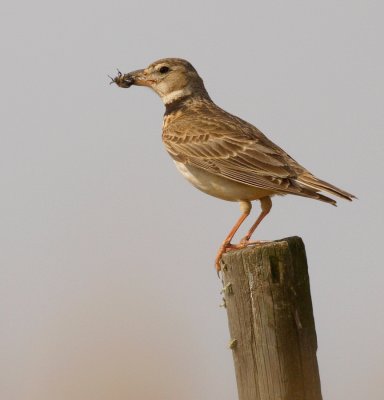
224, 248
245, 242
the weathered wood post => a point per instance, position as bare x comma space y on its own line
273, 338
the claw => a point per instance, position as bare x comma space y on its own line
223, 249
244, 242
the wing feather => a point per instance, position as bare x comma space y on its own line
229, 147
207, 137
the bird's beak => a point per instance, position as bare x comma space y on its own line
138, 77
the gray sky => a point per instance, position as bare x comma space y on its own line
107, 286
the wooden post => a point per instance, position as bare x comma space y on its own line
273, 338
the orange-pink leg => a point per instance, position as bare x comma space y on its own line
245, 207
266, 205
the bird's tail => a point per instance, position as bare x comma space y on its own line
309, 181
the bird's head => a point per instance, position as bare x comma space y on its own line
170, 78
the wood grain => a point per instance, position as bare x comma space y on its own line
267, 295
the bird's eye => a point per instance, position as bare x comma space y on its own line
163, 70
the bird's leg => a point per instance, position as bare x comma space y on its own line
266, 205
245, 207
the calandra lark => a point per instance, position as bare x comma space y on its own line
221, 154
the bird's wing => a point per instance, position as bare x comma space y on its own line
227, 146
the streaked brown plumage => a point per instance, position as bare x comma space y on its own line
220, 153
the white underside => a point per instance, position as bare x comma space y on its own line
217, 186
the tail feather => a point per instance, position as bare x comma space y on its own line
307, 180
313, 194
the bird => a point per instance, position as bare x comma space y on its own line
220, 153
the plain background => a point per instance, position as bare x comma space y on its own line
107, 283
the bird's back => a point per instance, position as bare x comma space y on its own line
199, 133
